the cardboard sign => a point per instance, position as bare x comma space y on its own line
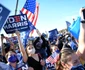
4, 12
16, 22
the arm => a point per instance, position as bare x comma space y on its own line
21, 47
3, 49
11, 43
38, 32
81, 47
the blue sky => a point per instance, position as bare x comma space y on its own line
52, 13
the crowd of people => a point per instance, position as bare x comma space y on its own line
69, 52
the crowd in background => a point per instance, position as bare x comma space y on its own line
39, 52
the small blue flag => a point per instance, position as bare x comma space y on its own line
74, 29
68, 23
25, 34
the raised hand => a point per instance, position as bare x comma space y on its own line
18, 33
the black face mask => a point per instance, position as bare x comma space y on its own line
79, 67
38, 45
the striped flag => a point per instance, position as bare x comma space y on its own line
31, 9
54, 57
35, 16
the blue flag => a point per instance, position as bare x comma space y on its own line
74, 29
29, 10
25, 34
68, 23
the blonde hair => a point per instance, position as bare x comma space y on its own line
6, 56
63, 58
65, 52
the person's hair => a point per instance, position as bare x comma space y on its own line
59, 44
6, 46
63, 57
29, 43
65, 52
59, 65
6, 56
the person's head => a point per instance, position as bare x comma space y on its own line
54, 47
38, 43
30, 49
59, 44
8, 47
69, 58
11, 58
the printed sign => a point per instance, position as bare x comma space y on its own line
13, 39
50, 66
4, 12
16, 22
53, 34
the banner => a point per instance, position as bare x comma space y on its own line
53, 34
4, 12
16, 22
13, 39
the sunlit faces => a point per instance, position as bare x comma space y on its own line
11, 53
30, 49
73, 60
54, 48
12, 59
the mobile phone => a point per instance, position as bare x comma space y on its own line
84, 14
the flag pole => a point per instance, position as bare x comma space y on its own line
16, 11
16, 7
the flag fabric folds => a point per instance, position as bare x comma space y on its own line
35, 16
31, 10
25, 34
54, 57
74, 29
68, 24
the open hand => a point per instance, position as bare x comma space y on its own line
17, 33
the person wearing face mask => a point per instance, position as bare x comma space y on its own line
70, 60
12, 60
42, 46
51, 63
13, 63
34, 59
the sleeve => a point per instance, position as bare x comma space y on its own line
4, 66
45, 43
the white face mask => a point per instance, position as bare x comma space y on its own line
31, 51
